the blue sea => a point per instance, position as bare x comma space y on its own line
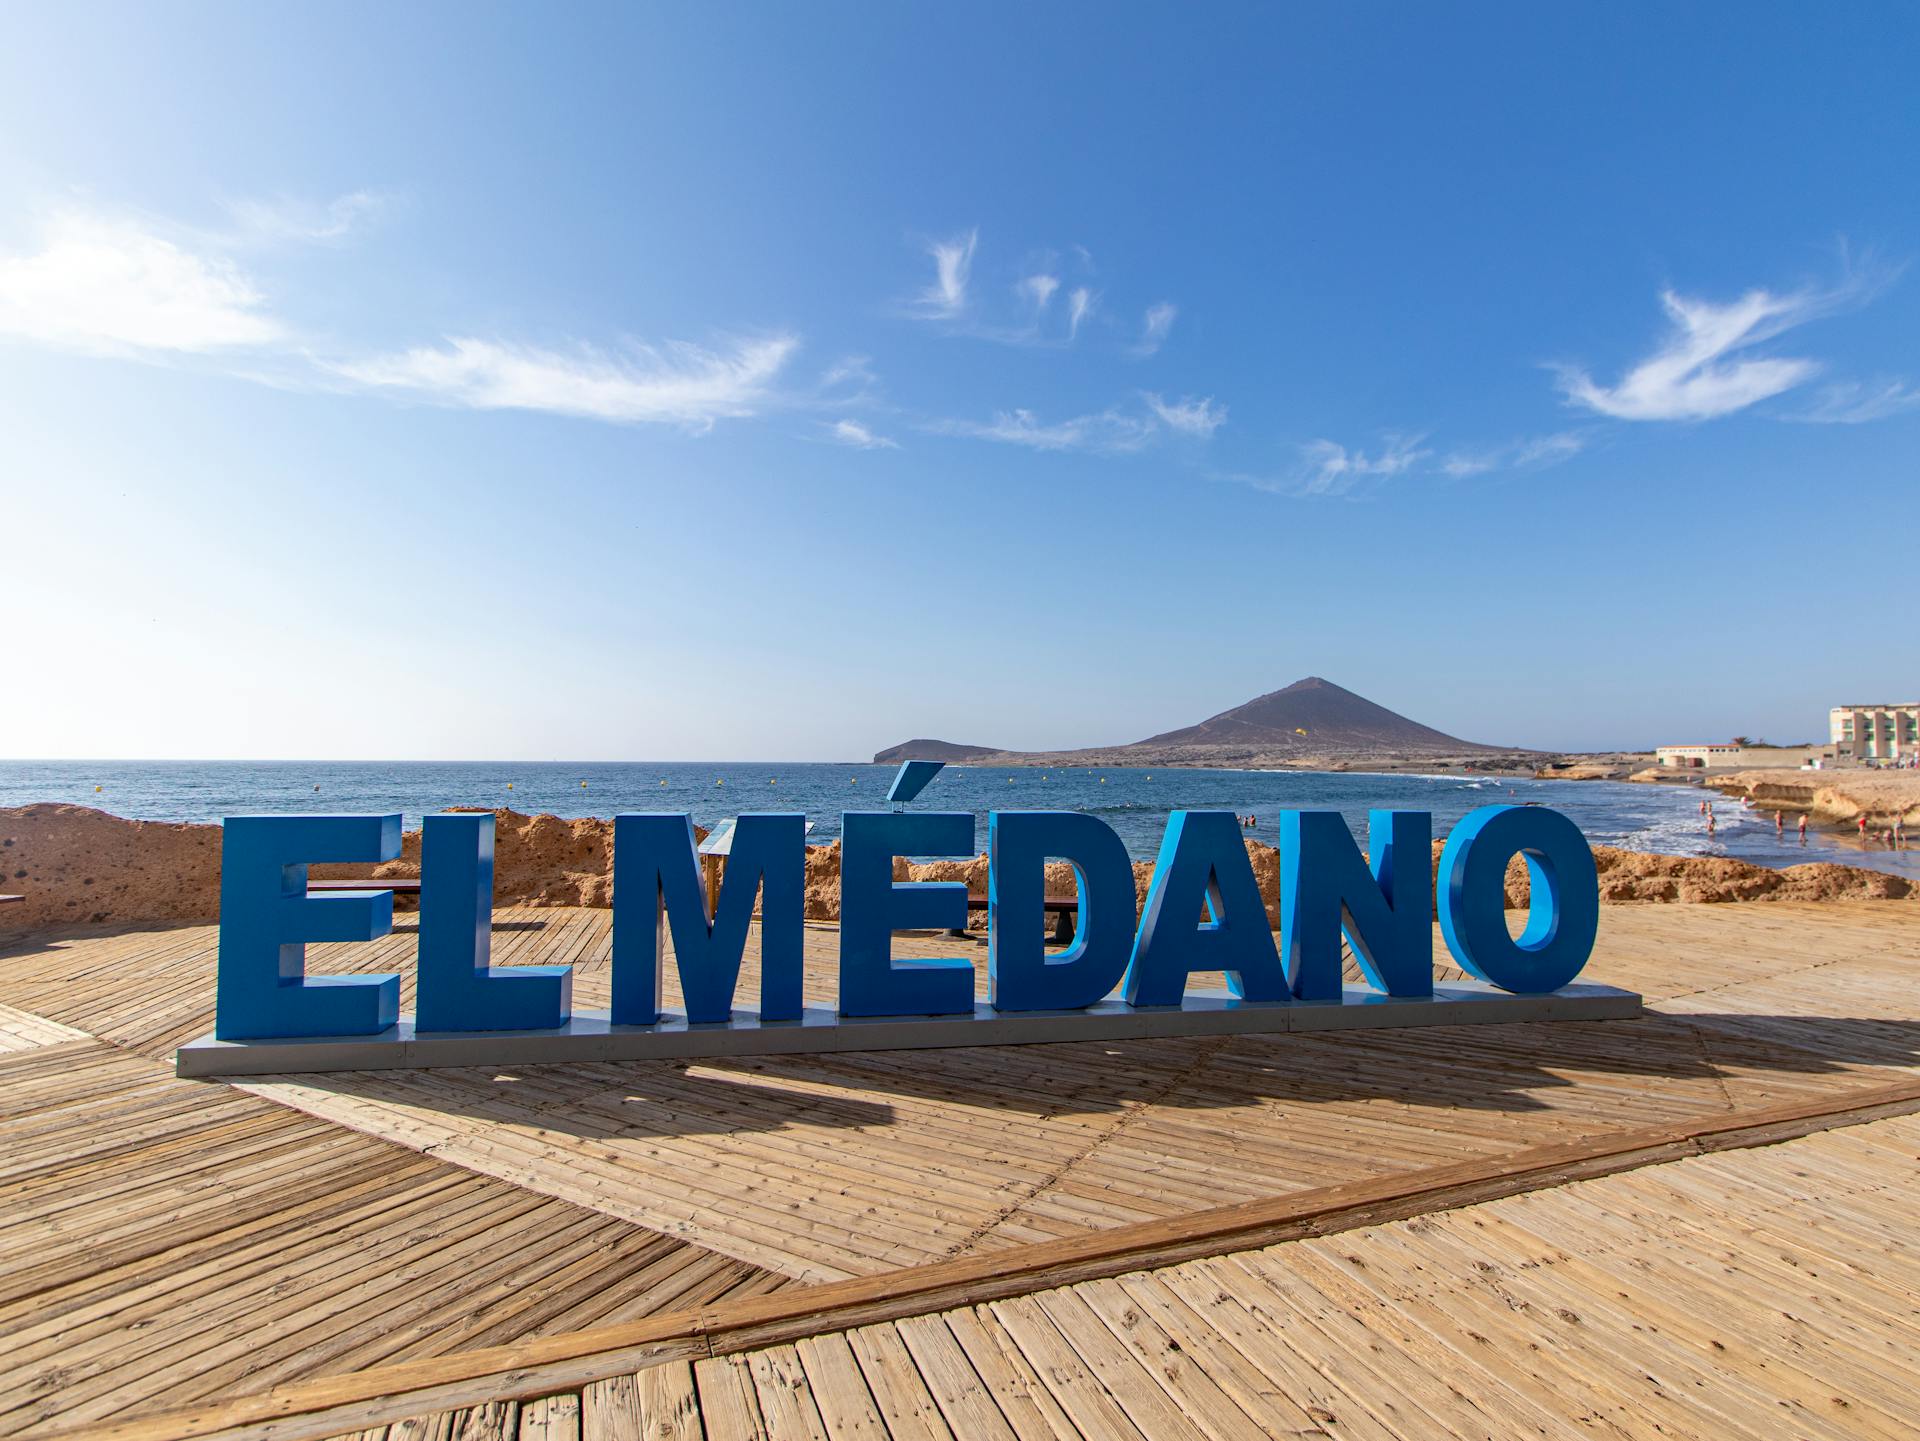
1134, 802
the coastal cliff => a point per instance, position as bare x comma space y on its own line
79, 866
1838, 797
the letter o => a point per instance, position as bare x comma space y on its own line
1563, 908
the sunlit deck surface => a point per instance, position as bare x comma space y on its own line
1353, 1234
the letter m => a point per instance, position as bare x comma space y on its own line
656, 878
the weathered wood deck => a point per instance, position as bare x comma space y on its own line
1752, 1294
169, 1243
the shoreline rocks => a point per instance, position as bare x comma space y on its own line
1836, 797
79, 866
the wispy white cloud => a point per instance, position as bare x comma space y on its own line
1154, 330
1110, 431
1079, 306
1698, 372
1189, 416
857, 435
1039, 289
946, 297
1327, 468
847, 383
677, 384
113, 285
1852, 402
1529, 453
288, 218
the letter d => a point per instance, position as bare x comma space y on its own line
1021, 976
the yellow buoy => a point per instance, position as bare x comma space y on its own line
772, 782
583, 785
663, 782
719, 782
1103, 780
96, 789
509, 785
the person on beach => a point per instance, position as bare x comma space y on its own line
1703, 805
1709, 823
1803, 830
1780, 823
1863, 828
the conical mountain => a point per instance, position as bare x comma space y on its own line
1331, 717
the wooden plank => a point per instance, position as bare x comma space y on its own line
729, 1405
669, 1406
846, 1405
964, 1397
551, 1418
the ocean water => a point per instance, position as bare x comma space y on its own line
1135, 802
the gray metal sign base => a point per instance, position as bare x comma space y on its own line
589, 1036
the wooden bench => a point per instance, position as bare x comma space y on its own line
1065, 911
399, 885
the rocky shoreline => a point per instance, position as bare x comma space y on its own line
1837, 797
79, 866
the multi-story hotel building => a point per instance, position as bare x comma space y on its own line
1875, 732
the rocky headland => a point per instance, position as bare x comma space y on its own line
1312, 724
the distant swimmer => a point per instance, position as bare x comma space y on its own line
1779, 823
1703, 805
1709, 822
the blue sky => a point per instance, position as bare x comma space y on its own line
784, 381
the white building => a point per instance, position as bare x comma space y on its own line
1728, 756
1875, 732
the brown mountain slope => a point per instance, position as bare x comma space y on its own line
1331, 718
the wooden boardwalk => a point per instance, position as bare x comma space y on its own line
168, 1243
165, 1241
1755, 1294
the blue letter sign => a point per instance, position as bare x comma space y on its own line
1563, 912
656, 869
267, 918
1204, 913
873, 907
1203, 862
1021, 976
1325, 888
457, 988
